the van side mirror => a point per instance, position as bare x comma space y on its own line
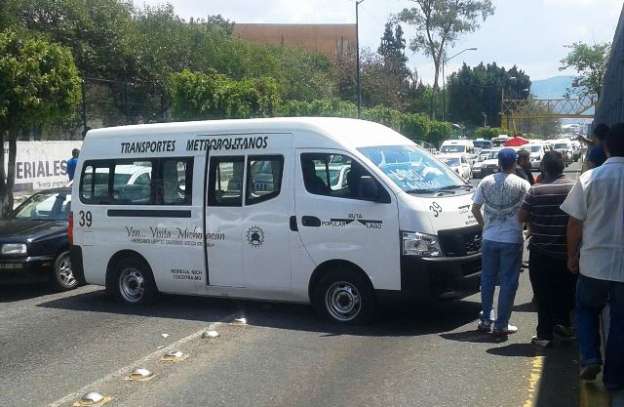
369, 190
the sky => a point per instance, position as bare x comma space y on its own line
528, 33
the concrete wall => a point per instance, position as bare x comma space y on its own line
331, 40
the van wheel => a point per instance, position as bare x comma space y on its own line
134, 282
345, 297
62, 278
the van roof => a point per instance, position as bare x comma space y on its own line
351, 132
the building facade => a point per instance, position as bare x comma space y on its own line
332, 40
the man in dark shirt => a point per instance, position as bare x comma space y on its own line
524, 166
552, 284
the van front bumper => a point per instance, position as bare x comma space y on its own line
440, 278
25, 269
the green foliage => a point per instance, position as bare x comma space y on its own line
488, 133
439, 132
39, 83
198, 96
317, 108
415, 126
478, 90
590, 62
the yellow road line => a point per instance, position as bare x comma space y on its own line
593, 394
537, 367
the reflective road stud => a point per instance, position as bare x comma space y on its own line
92, 399
173, 356
211, 334
141, 375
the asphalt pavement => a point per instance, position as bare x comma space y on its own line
56, 346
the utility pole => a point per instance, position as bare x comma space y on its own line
357, 46
83, 110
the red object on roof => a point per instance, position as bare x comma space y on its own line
516, 141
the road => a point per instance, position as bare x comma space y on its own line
55, 346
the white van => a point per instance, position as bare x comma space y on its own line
339, 213
458, 147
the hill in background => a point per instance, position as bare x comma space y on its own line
551, 88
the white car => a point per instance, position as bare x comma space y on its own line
487, 164
459, 164
536, 152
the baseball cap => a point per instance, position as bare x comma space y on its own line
507, 156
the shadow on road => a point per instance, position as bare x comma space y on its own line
395, 320
13, 293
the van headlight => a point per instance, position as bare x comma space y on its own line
14, 249
420, 244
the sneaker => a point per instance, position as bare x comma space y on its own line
563, 332
511, 329
541, 343
484, 327
589, 372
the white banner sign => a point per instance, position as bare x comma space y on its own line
41, 164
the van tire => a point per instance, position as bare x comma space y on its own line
62, 278
133, 282
345, 297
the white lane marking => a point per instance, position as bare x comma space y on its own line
124, 371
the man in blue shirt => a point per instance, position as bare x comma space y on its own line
596, 155
71, 164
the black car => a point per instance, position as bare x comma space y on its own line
33, 241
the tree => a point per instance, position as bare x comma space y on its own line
590, 62
39, 85
197, 96
473, 92
439, 23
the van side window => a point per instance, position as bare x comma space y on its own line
177, 181
334, 175
225, 187
94, 185
132, 183
264, 178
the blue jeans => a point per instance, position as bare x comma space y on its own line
501, 261
591, 297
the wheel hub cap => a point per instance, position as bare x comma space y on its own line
343, 301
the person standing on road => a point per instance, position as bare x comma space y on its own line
596, 155
596, 250
524, 166
552, 284
500, 195
71, 164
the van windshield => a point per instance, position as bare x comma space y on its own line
453, 149
412, 169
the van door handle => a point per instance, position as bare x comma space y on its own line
311, 221
293, 224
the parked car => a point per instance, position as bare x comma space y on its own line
34, 246
459, 164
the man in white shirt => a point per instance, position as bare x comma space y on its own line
596, 249
500, 196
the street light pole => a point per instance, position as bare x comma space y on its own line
357, 46
444, 61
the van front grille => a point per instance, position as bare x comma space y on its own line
460, 242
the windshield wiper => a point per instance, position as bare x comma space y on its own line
421, 191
